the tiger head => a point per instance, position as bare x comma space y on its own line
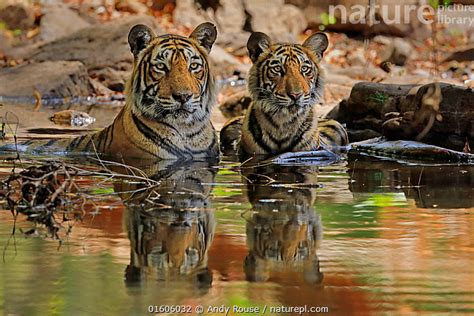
171, 80
286, 77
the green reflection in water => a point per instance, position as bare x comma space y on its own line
349, 221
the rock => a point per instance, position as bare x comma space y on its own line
369, 122
368, 72
58, 79
99, 88
235, 105
336, 88
186, 13
398, 52
59, 21
230, 16
17, 16
335, 93
111, 78
407, 149
277, 18
235, 41
342, 80
225, 64
357, 58
409, 79
282, 22
97, 47
293, 19
439, 114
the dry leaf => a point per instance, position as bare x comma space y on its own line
38, 102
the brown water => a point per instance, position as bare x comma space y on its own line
363, 237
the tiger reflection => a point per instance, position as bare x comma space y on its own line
283, 231
169, 226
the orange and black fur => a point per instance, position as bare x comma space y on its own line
283, 229
285, 82
169, 225
169, 100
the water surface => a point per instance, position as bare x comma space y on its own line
360, 237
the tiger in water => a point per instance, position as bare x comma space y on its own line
169, 100
285, 82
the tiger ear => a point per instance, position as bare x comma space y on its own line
205, 34
258, 43
139, 37
317, 43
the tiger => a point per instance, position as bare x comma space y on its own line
169, 100
169, 225
284, 82
283, 230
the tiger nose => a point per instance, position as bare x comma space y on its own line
182, 97
295, 95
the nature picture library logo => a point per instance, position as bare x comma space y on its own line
442, 11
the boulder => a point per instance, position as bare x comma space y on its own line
235, 105
439, 114
97, 47
224, 64
186, 13
59, 21
230, 16
277, 18
235, 41
51, 78
368, 72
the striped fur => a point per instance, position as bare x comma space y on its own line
283, 230
169, 225
169, 100
285, 82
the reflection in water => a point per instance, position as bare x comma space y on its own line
169, 226
283, 231
381, 254
444, 186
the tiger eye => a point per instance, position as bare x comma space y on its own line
275, 71
194, 66
160, 67
305, 69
